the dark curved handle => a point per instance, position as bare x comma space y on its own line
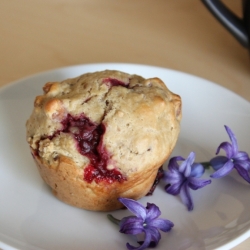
229, 20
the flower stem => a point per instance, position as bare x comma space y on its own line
206, 164
113, 219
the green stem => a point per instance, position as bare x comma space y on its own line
206, 165
113, 219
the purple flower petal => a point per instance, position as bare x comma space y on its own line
242, 172
152, 212
233, 140
185, 166
162, 224
186, 197
144, 245
195, 183
197, 170
218, 162
174, 189
131, 225
154, 234
173, 165
172, 176
227, 168
227, 147
134, 207
243, 164
242, 156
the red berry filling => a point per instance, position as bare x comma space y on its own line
158, 177
114, 82
89, 139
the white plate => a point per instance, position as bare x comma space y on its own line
31, 218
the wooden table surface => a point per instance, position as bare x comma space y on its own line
40, 35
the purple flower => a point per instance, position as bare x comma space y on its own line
233, 159
145, 221
181, 178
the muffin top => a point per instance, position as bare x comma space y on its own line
109, 123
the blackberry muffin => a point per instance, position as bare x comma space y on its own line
103, 135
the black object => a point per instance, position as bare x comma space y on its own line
238, 27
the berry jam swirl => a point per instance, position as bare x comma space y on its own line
89, 143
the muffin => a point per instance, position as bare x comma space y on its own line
103, 135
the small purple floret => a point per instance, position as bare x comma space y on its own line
180, 178
234, 158
145, 221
